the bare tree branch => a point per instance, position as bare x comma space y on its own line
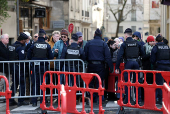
120, 10
114, 14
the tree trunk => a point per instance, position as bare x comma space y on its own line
117, 29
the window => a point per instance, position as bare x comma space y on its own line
133, 28
86, 14
120, 1
85, 37
82, 12
75, 29
82, 31
120, 29
133, 1
24, 12
133, 15
45, 22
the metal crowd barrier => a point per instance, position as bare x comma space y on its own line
166, 99
149, 90
7, 93
112, 79
28, 68
71, 93
166, 95
63, 100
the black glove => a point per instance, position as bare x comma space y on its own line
55, 54
111, 71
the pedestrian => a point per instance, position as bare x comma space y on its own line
46, 38
121, 40
35, 38
4, 56
27, 69
118, 43
130, 50
137, 36
113, 50
40, 50
18, 75
165, 41
146, 64
97, 53
160, 55
146, 58
29, 38
59, 45
81, 42
54, 38
72, 52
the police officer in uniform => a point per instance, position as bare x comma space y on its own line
40, 50
160, 57
18, 53
130, 50
97, 53
74, 51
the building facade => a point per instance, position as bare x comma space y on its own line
144, 18
165, 21
85, 15
9, 26
133, 19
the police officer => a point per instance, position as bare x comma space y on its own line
40, 50
160, 57
20, 55
130, 50
74, 51
97, 53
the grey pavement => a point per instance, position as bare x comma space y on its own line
110, 107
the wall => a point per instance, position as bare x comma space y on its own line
9, 26
59, 12
155, 12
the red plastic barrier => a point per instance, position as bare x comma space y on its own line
166, 99
7, 93
63, 100
149, 89
71, 92
111, 79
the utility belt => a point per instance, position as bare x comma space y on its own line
157, 64
137, 60
96, 62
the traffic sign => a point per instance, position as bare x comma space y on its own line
70, 28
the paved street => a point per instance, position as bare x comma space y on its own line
110, 107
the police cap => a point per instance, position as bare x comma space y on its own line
42, 31
74, 37
128, 30
22, 36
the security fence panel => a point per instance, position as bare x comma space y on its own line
25, 77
